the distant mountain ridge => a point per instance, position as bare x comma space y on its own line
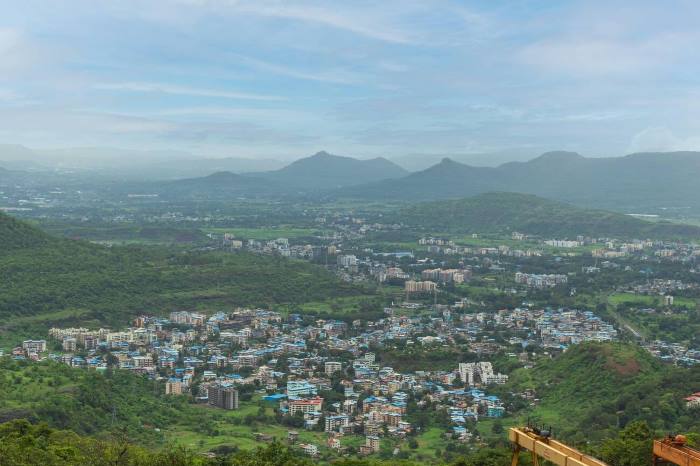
127, 163
218, 185
326, 171
507, 212
636, 180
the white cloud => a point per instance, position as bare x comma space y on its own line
604, 56
15, 51
334, 76
8, 95
181, 90
360, 24
52, 127
661, 139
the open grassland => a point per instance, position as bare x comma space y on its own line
651, 301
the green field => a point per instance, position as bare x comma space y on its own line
647, 300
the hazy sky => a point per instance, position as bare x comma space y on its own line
287, 78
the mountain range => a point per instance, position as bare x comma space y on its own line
637, 181
319, 173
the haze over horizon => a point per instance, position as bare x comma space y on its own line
286, 79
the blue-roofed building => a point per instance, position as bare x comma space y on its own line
496, 411
301, 388
275, 397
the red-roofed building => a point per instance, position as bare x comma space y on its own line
305, 405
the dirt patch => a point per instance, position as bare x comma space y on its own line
629, 366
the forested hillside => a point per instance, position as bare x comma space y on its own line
89, 403
507, 212
46, 281
15, 234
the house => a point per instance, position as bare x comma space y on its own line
371, 445
331, 367
334, 443
34, 346
693, 401
333, 423
309, 449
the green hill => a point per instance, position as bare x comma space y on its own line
48, 281
526, 213
215, 186
591, 390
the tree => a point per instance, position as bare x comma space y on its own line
497, 427
632, 447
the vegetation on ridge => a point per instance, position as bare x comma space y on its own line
508, 212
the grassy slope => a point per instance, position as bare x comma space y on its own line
506, 212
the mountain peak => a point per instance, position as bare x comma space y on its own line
222, 175
322, 153
448, 162
558, 155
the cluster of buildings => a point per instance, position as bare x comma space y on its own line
540, 281
424, 286
553, 329
563, 243
472, 372
211, 358
670, 251
279, 246
214, 358
446, 275
557, 329
675, 353
660, 287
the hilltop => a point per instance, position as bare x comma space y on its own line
641, 181
526, 213
216, 185
324, 171
15, 234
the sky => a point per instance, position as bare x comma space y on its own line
363, 78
